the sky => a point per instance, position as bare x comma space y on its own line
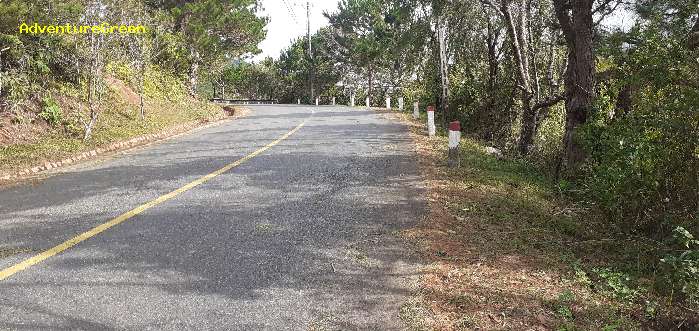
288, 22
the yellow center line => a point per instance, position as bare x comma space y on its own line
36, 259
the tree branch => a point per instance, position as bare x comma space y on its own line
602, 6
549, 102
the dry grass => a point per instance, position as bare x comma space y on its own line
509, 253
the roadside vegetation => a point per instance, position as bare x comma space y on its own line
593, 105
590, 218
511, 249
67, 93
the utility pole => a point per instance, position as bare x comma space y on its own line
310, 47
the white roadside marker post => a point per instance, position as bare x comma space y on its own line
333, 101
400, 103
352, 100
368, 105
388, 102
298, 101
317, 100
416, 110
431, 129
454, 139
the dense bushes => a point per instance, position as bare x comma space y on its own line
643, 152
644, 160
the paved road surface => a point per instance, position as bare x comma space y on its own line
302, 236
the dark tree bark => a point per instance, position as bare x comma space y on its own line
493, 62
371, 83
575, 18
493, 70
1, 68
623, 101
693, 41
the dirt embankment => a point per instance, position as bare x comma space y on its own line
30, 144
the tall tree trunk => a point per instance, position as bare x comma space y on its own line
518, 36
443, 67
141, 107
141, 83
95, 85
1, 72
575, 18
493, 63
371, 83
194, 71
527, 130
493, 68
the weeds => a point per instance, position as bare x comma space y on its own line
501, 221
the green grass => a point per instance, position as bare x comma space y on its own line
118, 121
510, 207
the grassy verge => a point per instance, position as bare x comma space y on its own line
119, 120
509, 251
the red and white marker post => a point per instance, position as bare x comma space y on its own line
431, 128
416, 110
454, 139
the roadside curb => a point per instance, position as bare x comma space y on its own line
120, 146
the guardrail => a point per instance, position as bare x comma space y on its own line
244, 101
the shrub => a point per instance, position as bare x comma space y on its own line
682, 266
643, 164
51, 112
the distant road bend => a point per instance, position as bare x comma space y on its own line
286, 219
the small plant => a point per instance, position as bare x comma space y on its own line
651, 309
611, 327
616, 284
580, 275
51, 111
563, 310
682, 266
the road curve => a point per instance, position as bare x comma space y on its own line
299, 236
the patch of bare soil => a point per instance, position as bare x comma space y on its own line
21, 126
127, 94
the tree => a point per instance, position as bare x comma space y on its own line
575, 19
215, 29
95, 12
363, 31
525, 42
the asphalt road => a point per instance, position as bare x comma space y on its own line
300, 237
